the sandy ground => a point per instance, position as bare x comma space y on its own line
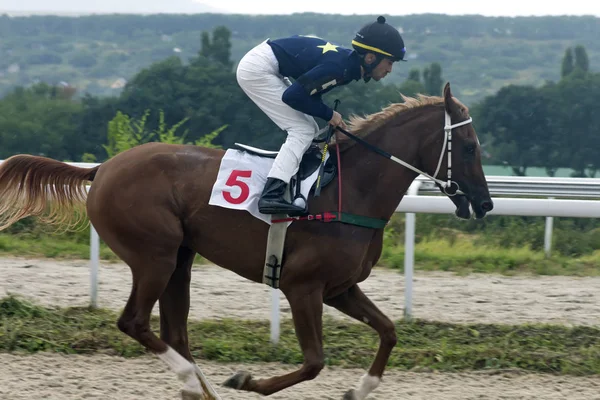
217, 293
56, 377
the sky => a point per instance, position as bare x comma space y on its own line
390, 7
384, 7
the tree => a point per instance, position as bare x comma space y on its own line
567, 63
411, 88
581, 59
205, 47
93, 123
433, 80
414, 75
41, 120
219, 49
412, 85
517, 120
578, 140
205, 93
221, 46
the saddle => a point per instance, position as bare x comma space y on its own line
308, 165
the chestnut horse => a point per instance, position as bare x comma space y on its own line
150, 205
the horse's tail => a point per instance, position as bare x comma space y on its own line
43, 187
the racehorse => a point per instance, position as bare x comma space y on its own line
150, 205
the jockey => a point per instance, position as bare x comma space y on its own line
317, 66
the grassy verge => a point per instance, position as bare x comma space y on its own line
465, 256
422, 345
54, 246
49, 247
461, 256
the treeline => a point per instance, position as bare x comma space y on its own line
553, 126
480, 54
51, 121
93, 26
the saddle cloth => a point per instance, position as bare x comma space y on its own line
243, 174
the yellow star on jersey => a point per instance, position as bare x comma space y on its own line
328, 47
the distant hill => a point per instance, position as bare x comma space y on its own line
99, 53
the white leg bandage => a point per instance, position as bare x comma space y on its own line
183, 368
368, 383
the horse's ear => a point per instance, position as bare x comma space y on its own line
450, 105
447, 92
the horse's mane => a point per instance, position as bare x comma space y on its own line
362, 126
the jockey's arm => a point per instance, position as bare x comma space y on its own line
305, 93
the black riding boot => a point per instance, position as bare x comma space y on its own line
272, 201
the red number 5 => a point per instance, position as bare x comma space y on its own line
233, 181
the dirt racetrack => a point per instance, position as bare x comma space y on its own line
56, 377
218, 293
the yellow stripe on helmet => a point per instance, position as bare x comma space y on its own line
364, 46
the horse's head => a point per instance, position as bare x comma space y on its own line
465, 173
424, 145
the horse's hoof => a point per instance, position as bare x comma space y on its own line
350, 395
238, 381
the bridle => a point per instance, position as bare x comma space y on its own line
446, 147
448, 143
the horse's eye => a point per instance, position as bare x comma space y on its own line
470, 149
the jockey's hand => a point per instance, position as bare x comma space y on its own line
336, 120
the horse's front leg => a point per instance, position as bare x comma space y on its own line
357, 305
307, 310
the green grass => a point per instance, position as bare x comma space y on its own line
422, 345
55, 246
501, 245
49, 247
464, 256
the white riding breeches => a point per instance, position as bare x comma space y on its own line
258, 76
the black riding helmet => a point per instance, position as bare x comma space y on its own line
381, 39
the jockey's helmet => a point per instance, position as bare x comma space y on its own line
381, 39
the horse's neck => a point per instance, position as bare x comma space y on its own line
374, 183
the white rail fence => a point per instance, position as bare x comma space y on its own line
577, 198
580, 198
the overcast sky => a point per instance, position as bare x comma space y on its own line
390, 7
385, 7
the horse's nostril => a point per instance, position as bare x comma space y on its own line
487, 206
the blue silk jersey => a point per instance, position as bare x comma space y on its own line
317, 67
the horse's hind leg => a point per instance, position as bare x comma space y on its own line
174, 306
151, 274
357, 305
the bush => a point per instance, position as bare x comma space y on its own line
571, 236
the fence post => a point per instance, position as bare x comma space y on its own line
94, 261
409, 253
548, 234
